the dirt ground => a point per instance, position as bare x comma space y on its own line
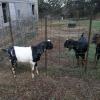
58, 84
46, 87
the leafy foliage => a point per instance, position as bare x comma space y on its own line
52, 7
44, 8
68, 8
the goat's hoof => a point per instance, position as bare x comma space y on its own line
14, 76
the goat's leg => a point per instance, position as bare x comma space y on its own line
13, 70
96, 62
37, 70
84, 62
78, 63
97, 58
77, 57
13, 67
33, 69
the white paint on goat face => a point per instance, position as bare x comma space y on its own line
23, 54
49, 40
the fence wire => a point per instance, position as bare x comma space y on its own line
18, 21
60, 57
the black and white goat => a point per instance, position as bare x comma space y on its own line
29, 54
80, 47
96, 40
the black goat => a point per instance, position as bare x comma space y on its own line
96, 40
80, 47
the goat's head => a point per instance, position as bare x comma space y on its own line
48, 45
68, 44
96, 39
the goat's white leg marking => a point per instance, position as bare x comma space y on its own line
13, 70
33, 68
37, 70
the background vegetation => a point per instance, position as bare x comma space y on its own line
68, 8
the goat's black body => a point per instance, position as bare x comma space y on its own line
35, 54
12, 55
38, 50
80, 47
96, 40
97, 52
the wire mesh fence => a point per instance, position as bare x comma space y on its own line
56, 62
61, 58
18, 23
27, 31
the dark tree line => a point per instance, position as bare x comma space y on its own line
81, 8
97, 7
68, 8
52, 7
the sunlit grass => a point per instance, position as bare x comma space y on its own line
96, 24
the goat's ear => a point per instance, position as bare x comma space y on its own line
65, 44
4, 50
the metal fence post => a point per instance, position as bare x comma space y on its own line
10, 26
46, 40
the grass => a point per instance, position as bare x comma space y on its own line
91, 52
72, 70
95, 24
